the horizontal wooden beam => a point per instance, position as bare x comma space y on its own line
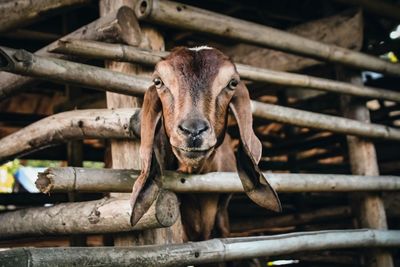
17, 13
115, 26
71, 179
193, 253
58, 70
108, 215
71, 125
99, 50
23, 62
195, 19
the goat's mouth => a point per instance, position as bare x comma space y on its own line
193, 152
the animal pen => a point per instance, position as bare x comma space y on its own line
322, 76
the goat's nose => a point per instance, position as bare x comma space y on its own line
193, 127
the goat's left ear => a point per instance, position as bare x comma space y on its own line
249, 153
146, 187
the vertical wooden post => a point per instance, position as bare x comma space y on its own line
125, 154
363, 161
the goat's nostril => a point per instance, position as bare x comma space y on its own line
193, 127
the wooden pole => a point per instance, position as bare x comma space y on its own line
193, 253
125, 154
108, 215
18, 13
363, 161
71, 125
104, 28
98, 50
195, 19
106, 180
23, 62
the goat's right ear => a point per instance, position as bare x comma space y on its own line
148, 184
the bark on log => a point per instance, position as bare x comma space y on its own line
110, 180
58, 70
104, 28
108, 215
363, 161
126, 53
71, 125
216, 250
18, 13
196, 19
344, 30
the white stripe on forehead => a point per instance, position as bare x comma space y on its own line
198, 48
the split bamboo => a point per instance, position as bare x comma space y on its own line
195, 19
18, 13
71, 125
193, 253
99, 50
104, 28
108, 215
71, 179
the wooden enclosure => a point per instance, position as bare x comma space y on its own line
324, 81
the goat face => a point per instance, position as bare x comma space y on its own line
192, 92
195, 87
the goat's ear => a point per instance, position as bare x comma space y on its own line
249, 153
147, 185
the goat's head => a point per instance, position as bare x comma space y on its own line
192, 92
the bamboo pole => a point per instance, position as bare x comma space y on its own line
107, 215
17, 13
195, 19
71, 125
193, 253
104, 28
21, 61
110, 180
98, 50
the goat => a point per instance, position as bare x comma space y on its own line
185, 112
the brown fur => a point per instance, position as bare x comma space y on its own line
195, 91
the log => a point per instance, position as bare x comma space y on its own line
193, 253
326, 122
344, 30
107, 215
103, 28
363, 161
196, 19
98, 50
261, 224
18, 13
71, 125
23, 62
70, 179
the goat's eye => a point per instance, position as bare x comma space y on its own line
158, 83
233, 84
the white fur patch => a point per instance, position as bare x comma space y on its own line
198, 48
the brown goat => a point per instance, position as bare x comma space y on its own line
185, 114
